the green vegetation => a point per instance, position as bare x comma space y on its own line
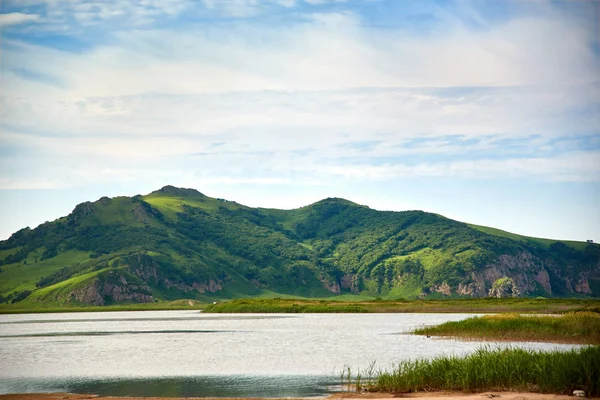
500, 369
573, 327
23, 275
283, 306
520, 238
180, 244
158, 306
485, 305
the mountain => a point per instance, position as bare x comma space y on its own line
178, 243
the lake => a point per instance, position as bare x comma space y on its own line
187, 353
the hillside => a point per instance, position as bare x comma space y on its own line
178, 243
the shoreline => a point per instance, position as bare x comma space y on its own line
501, 395
337, 304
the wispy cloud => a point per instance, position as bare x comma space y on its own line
337, 116
17, 18
576, 166
330, 50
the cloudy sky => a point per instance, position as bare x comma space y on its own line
484, 111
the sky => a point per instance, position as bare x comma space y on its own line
483, 111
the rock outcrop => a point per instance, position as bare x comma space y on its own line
330, 285
503, 288
583, 286
148, 271
444, 289
112, 289
527, 274
350, 282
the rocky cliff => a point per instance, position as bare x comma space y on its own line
112, 288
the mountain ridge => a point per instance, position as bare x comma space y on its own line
179, 243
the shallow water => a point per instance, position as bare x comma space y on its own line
187, 353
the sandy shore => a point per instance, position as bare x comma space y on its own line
374, 396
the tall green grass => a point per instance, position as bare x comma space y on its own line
486, 369
575, 327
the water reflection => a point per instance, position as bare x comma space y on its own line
203, 317
100, 333
199, 386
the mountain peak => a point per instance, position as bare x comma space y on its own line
183, 192
337, 201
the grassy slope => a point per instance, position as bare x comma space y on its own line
577, 245
8, 252
171, 205
576, 327
53, 296
23, 275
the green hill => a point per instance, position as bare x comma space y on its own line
180, 244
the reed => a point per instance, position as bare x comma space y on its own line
574, 327
487, 369
360, 380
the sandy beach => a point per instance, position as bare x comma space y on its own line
373, 396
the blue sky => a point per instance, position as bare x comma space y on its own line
483, 111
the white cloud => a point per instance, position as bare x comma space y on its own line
306, 157
305, 95
31, 184
570, 167
17, 18
327, 52
311, 119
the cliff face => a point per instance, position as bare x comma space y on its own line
149, 270
114, 288
517, 275
527, 274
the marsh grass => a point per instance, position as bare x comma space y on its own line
486, 369
283, 306
361, 380
592, 309
485, 305
575, 327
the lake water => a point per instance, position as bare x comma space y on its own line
187, 353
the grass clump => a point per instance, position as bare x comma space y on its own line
575, 327
499, 369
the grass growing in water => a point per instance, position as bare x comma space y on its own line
577, 327
499, 369
359, 381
